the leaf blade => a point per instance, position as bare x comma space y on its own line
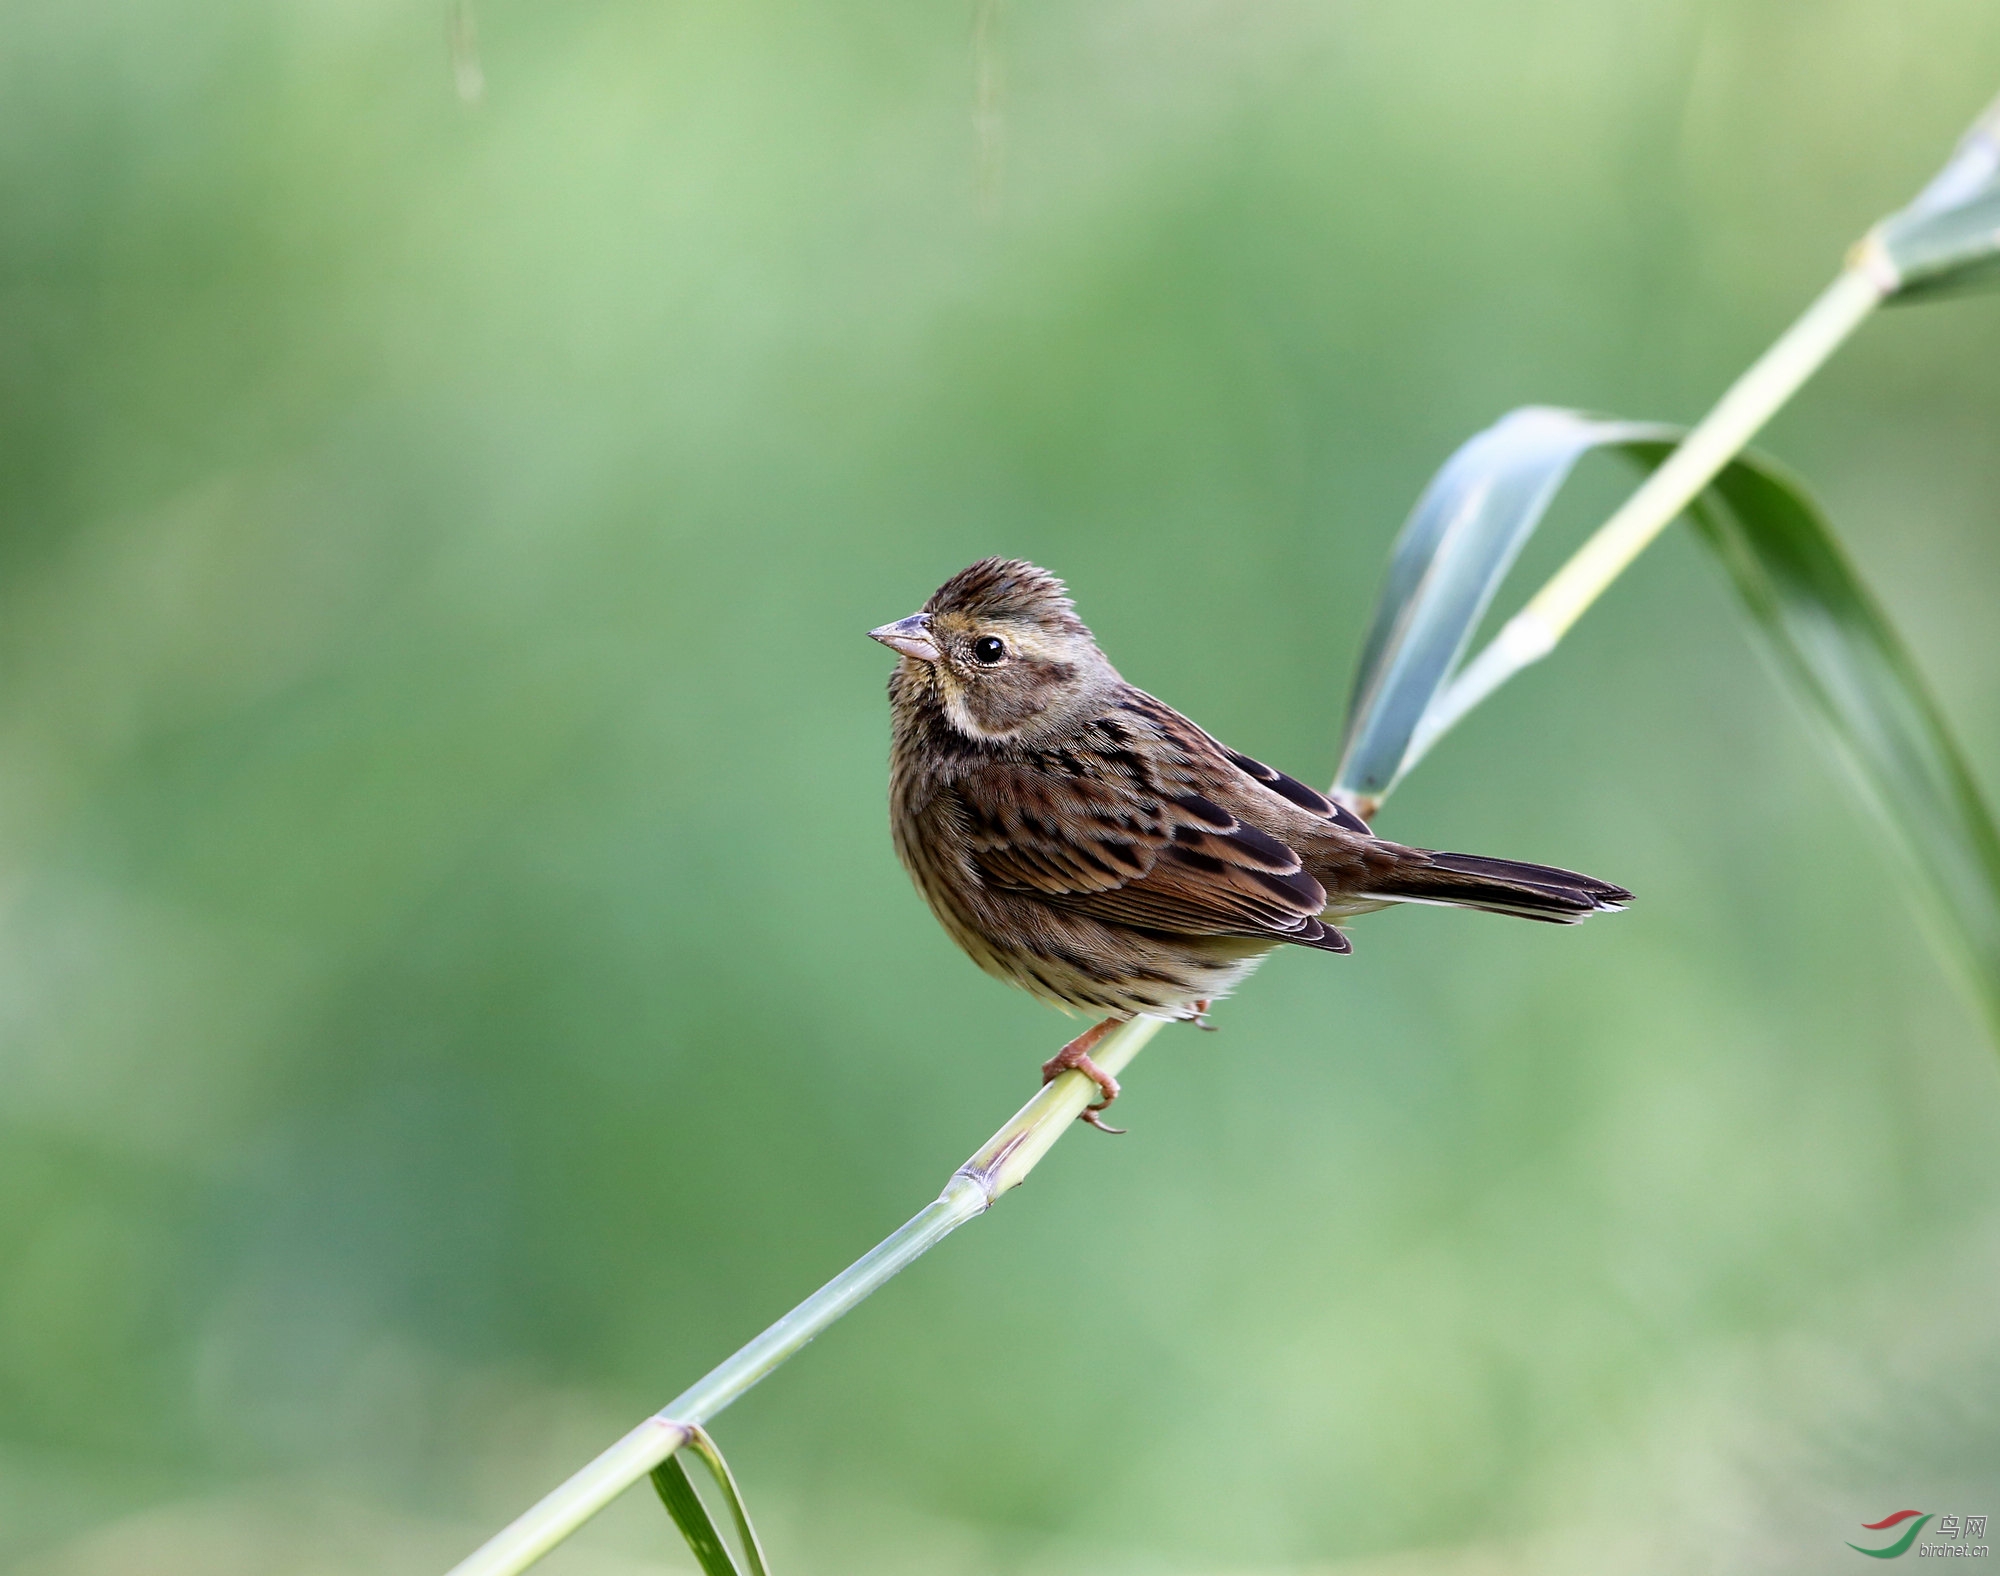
684, 1503
1453, 551
1858, 682
725, 1480
677, 1493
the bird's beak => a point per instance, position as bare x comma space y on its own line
911, 636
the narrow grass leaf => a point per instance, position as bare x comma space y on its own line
677, 1492
725, 1480
1825, 633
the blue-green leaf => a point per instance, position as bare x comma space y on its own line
1949, 237
1453, 552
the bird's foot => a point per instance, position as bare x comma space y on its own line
1075, 1057
1200, 1017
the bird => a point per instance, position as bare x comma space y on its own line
1082, 840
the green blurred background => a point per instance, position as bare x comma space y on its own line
456, 981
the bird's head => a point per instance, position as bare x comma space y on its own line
999, 651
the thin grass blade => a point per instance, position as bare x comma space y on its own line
677, 1493
725, 1482
1827, 636
684, 1503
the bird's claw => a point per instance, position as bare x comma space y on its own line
1075, 1058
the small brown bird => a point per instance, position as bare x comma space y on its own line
1088, 843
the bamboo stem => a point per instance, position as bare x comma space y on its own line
1000, 1164
1718, 438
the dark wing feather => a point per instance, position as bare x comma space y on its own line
1198, 743
1117, 839
1299, 794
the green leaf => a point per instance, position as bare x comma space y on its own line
677, 1493
1825, 633
1949, 237
691, 1516
1817, 622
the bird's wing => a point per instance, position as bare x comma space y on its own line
1290, 788
1124, 835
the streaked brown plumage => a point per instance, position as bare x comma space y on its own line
1088, 843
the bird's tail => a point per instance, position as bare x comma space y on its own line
1496, 886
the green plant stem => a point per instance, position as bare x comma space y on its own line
1001, 1163
1718, 438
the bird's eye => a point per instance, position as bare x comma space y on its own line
988, 649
